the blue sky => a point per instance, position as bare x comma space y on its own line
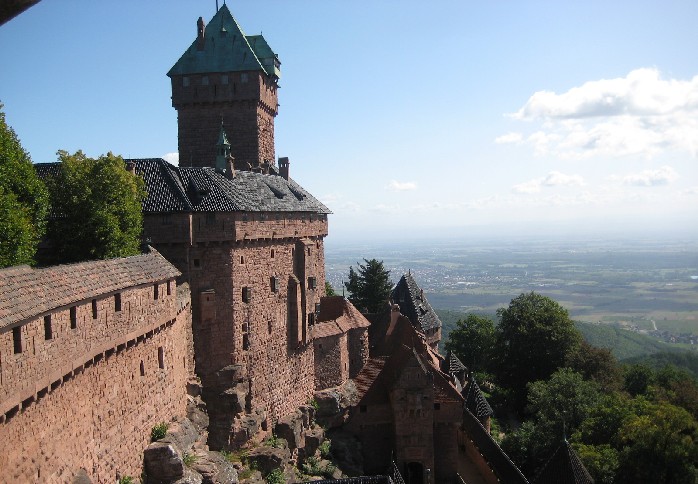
406, 118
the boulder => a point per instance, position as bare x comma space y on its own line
190, 477
81, 477
290, 428
214, 468
313, 439
163, 463
347, 453
266, 459
182, 434
328, 402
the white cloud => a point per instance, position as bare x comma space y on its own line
509, 138
396, 186
641, 113
690, 191
383, 208
171, 158
652, 178
552, 179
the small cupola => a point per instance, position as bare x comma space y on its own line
224, 160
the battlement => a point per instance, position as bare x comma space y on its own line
56, 321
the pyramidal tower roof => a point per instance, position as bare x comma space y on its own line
222, 46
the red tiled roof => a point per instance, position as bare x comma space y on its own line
337, 316
26, 293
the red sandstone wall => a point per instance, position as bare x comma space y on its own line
331, 361
43, 361
358, 350
100, 416
247, 107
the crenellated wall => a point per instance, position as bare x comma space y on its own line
83, 392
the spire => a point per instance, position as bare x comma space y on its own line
224, 161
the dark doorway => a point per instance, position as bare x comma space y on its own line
414, 473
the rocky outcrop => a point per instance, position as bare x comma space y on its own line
163, 463
333, 404
266, 459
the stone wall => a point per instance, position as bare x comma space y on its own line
245, 101
331, 360
98, 415
358, 350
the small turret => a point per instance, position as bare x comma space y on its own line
224, 160
200, 33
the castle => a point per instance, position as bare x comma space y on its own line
231, 291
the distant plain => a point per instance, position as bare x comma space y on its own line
639, 284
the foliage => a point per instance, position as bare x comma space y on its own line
23, 201
533, 338
329, 290
189, 459
314, 404
596, 364
600, 460
239, 455
623, 343
159, 431
275, 477
660, 446
638, 379
276, 442
126, 480
325, 448
97, 208
684, 359
369, 287
472, 341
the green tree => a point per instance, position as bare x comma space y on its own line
533, 338
369, 287
329, 290
638, 379
97, 208
660, 446
472, 341
596, 364
23, 201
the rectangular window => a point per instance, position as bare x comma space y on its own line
156, 292
274, 284
246, 294
161, 357
17, 339
117, 302
169, 288
73, 317
312, 282
48, 331
94, 309
197, 263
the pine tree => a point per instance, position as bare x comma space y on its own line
370, 286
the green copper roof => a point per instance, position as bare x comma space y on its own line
226, 48
222, 138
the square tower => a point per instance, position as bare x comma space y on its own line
229, 77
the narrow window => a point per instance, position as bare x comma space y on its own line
117, 302
73, 317
272, 253
94, 309
271, 325
242, 259
312, 282
246, 294
156, 292
246, 341
311, 319
142, 368
161, 357
169, 288
308, 250
274, 282
17, 339
48, 331
197, 263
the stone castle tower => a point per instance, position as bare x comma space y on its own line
226, 77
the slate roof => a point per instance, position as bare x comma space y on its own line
227, 49
181, 189
453, 364
475, 401
337, 316
414, 304
564, 467
26, 293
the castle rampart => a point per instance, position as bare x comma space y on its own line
79, 391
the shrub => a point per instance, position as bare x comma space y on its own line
325, 448
126, 480
159, 431
189, 459
314, 404
276, 442
275, 477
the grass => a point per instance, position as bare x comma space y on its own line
189, 459
158, 431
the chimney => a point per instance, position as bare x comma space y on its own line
230, 168
200, 31
283, 167
131, 167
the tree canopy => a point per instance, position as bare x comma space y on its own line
96, 206
23, 201
369, 286
472, 341
534, 337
